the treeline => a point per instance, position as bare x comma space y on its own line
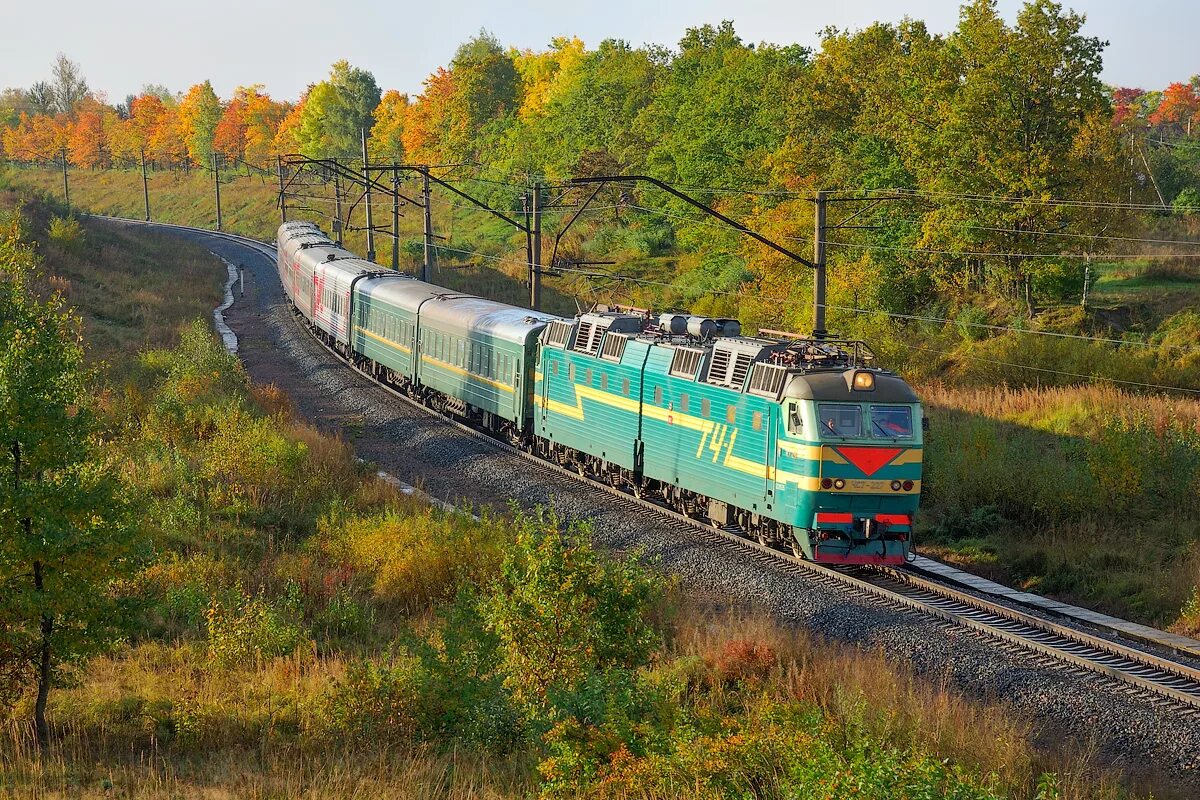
991, 110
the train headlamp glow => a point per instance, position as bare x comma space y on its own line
839, 484
896, 486
863, 382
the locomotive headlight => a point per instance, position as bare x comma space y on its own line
908, 485
864, 382
896, 486
826, 483
839, 484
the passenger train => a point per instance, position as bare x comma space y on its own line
803, 443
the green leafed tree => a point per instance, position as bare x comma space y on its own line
199, 113
64, 541
336, 112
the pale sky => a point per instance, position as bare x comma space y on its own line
123, 44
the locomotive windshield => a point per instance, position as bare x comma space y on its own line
845, 421
838, 419
891, 422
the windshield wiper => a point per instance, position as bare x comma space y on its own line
879, 428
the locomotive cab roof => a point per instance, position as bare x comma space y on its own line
838, 386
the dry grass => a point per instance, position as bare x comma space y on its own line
1064, 409
899, 706
265, 771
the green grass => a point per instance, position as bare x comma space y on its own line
134, 289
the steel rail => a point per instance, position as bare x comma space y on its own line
1158, 676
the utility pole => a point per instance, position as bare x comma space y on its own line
427, 226
395, 216
217, 187
535, 263
1087, 278
145, 185
66, 185
337, 205
367, 199
528, 231
282, 199
819, 262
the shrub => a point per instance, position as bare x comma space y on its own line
249, 630
414, 558
562, 612
66, 232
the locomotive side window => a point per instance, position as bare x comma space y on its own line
553, 367
891, 422
604, 381
658, 396
837, 419
731, 415
756, 420
705, 407
795, 421
683, 402
625, 387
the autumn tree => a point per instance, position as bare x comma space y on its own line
337, 111
199, 113
88, 135
63, 536
387, 137
430, 119
229, 137
1179, 106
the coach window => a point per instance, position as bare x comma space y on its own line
705, 408
731, 415
756, 420
658, 396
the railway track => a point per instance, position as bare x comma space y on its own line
1141, 672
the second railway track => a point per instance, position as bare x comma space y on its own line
1142, 672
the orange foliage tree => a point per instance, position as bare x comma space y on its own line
430, 119
387, 136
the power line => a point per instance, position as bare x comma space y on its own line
890, 314
1057, 371
1008, 200
1080, 376
986, 254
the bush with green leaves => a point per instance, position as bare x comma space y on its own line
562, 611
250, 628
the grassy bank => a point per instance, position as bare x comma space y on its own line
303, 629
306, 629
1088, 494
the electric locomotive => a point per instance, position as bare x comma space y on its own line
804, 443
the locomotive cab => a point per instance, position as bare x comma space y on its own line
855, 438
